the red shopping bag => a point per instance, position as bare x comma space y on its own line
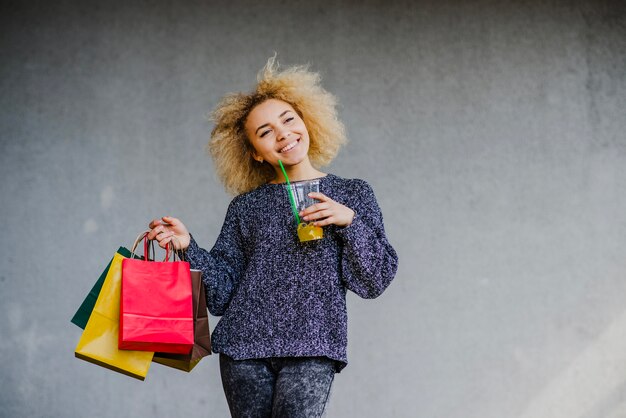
156, 305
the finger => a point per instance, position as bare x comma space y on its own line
163, 242
161, 235
167, 234
153, 223
152, 234
314, 208
175, 241
318, 215
155, 231
160, 232
320, 196
170, 220
324, 222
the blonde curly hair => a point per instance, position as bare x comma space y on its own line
229, 145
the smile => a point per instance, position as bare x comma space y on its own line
289, 147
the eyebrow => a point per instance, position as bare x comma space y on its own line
267, 124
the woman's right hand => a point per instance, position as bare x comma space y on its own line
169, 229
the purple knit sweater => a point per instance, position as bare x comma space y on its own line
279, 297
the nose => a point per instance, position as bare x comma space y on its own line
283, 134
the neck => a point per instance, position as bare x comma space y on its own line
297, 172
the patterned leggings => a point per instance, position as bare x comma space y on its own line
293, 387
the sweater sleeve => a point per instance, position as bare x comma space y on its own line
222, 266
369, 262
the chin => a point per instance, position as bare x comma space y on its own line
292, 160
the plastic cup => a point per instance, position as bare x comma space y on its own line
300, 191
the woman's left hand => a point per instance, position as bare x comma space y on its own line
327, 212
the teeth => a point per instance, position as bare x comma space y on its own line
290, 146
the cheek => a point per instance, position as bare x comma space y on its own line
308, 138
302, 127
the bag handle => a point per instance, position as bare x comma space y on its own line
146, 250
170, 247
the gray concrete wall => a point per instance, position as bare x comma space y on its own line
492, 132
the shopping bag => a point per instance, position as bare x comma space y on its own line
202, 338
99, 342
83, 313
156, 307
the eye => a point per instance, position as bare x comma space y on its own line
289, 119
264, 133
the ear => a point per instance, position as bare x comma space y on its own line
256, 156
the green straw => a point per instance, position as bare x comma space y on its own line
291, 198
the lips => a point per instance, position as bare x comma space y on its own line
289, 147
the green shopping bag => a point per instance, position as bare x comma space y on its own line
84, 311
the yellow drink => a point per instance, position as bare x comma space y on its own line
308, 232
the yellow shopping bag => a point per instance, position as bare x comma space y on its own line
99, 341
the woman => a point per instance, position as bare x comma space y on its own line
283, 331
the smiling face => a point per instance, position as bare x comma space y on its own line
277, 132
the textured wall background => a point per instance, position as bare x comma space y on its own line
492, 132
